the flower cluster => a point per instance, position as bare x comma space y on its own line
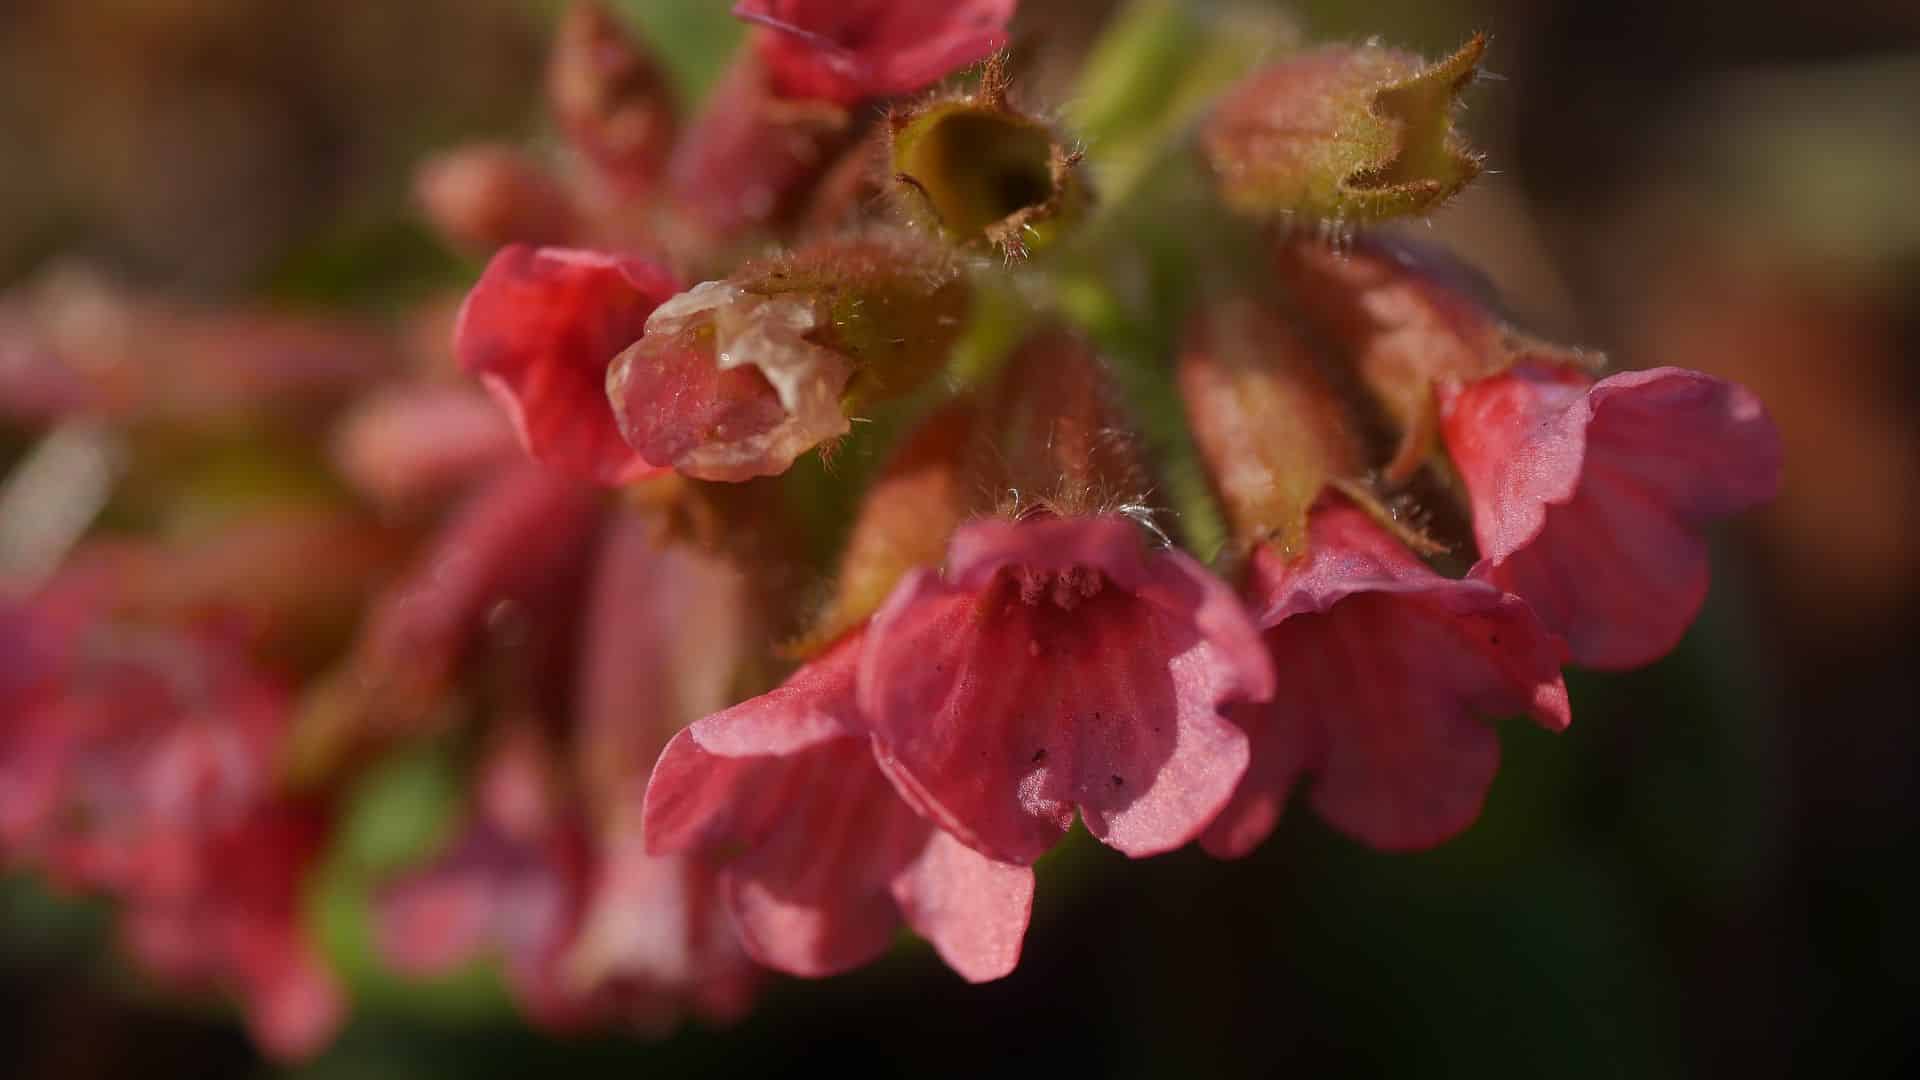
839, 497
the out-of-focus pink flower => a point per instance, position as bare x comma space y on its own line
846, 51
123, 744
664, 634
406, 445
829, 859
514, 884
518, 541
1059, 665
1387, 670
1589, 499
484, 196
238, 927
611, 98
540, 329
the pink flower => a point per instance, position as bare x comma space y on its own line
1387, 670
540, 329
830, 861
239, 929
846, 51
514, 883
1589, 499
517, 543
124, 745
1059, 665
656, 941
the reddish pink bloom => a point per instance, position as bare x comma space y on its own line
124, 745
656, 941
540, 328
1059, 665
518, 541
1589, 499
846, 51
830, 861
240, 929
514, 884
1387, 670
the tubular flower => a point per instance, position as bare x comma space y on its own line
1386, 667
830, 860
1589, 498
666, 628
540, 328
1388, 670
239, 927
1058, 664
847, 51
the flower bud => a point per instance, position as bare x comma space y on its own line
1058, 438
737, 378
483, 197
1405, 321
611, 99
1269, 425
905, 519
1344, 134
980, 172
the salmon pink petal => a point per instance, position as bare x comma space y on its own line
973, 909
846, 51
1059, 666
1389, 670
1589, 500
540, 329
828, 858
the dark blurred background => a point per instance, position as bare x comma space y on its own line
1711, 873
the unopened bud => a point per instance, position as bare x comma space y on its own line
1271, 427
1344, 135
484, 197
1405, 321
611, 99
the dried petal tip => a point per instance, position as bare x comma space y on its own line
736, 379
980, 172
1345, 135
611, 99
540, 328
848, 51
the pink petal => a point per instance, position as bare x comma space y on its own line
846, 51
1389, 670
973, 909
515, 540
827, 856
1590, 502
540, 329
1060, 666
